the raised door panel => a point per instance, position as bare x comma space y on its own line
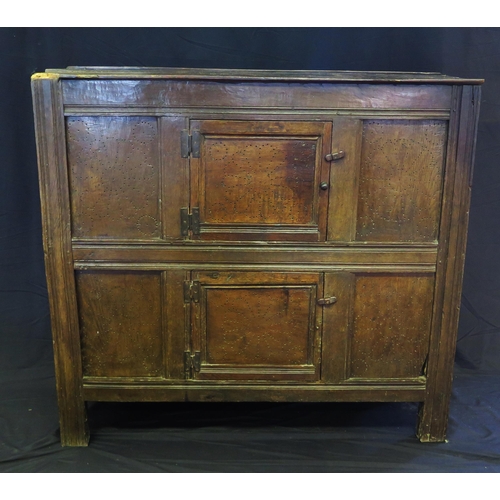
257, 325
260, 180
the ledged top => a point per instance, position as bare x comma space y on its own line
334, 76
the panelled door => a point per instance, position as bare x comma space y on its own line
259, 180
251, 325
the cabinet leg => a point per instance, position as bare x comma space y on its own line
432, 421
73, 424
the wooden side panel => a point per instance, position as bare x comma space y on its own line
121, 323
392, 320
400, 182
260, 180
114, 172
255, 325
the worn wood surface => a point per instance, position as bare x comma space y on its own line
55, 205
307, 279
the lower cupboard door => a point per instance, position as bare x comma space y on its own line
256, 326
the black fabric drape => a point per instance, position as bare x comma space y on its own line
241, 437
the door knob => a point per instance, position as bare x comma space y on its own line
323, 186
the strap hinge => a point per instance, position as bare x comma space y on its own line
190, 144
192, 361
190, 221
191, 291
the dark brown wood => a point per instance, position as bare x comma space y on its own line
192, 94
258, 325
114, 177
337, 324
268, 75
261, 180
242, 235
433, 418
55, 204
250, 392
391, 326
121, 323
400, 180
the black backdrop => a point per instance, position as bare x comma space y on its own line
133, 437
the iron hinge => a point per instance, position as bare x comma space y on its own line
190, 221
192, 361
190, 144
191, 291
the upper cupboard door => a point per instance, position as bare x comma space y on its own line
260, 180
127, 179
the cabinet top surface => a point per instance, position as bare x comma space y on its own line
120, 72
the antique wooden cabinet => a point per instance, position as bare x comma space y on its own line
241, 235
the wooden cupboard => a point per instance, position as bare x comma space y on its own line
245, 235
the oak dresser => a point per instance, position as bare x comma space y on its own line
254, 235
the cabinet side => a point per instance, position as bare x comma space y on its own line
54, 195
433, 417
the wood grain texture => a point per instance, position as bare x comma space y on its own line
337, 325
267, 75
433, 418
89, 254
174, 175
391, 326
382, 230
121, 323
114, 177
344, 179
54, 197
174, 94
255, 325
400, 180
260, 180
277, 393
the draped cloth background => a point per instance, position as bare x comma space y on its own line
241, 437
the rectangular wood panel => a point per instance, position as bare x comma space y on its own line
391, 328
402, 164
258, 325
171, 94
121, 323
114, 174
260, 180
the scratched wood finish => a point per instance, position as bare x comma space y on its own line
400, 180
121, 324
178, 94
251, 325
307, 280
391, 326
260, 180
114, 177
